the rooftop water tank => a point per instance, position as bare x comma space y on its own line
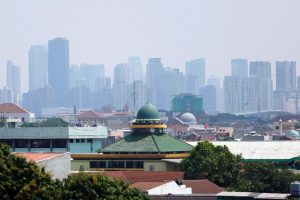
295, 188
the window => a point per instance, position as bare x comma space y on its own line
134, 164
59, 143
8, 142
40, 143
21, 143
97, 164
89, 140
116, 164
71, 140
82, 140
77, 140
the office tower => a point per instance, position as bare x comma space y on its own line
239, 67
191, 84
58, 68
6, 95
13, 80
80, 96
36, 100
262, 70
74, 75
154, 69
136, 71
121, 86
92, 73
209, 96
197, 68
215, 81
240, 94
139, 95
285, 76
38, 66
298, 83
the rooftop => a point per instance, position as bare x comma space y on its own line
148, 112
144, 186
36, 157
11, 108
91, 114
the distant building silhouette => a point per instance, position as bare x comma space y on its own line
58, 68
13, 80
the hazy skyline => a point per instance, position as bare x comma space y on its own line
109, 32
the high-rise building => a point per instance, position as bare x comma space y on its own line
262, 70
197, 68
121, 86
58, 69
239, 67
38, 66
13, 80
6, 95
91, 73
139, 95
74, 75
154, 77
240, 94
215, 81
136, 71
209, 96
285, 76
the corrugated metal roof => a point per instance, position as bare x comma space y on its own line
262, 150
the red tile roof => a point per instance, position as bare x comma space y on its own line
36, 156
203, 186
143, 176
144, 186
91, 114
11, 108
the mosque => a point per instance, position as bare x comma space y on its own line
148, 148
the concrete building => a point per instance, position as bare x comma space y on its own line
13, 80
139, 95
57, 164
197, 68
12, 111
285, 76
92, 73
262, 70
136, 71
55, 139
239, 67
6, 95
209, 95
121, 86
58, 68
38, 67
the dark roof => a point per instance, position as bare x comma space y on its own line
11, 108
153, 142
91, 114
149, 112
202, 186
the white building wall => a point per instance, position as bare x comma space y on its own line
169, 188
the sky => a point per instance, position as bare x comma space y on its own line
109, 31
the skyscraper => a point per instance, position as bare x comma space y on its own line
197, 68
121, 86
262, 70
92, 73
209, 96
136, 71
13, 80
285, 76
58, 68
239, 67
38, 67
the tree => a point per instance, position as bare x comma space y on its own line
50, 122
92, 187
217, 164
24, 180
264, 177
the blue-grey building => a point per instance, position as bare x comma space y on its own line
58, 68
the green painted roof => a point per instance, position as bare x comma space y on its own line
147, 143
148, 112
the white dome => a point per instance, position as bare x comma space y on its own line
188, 118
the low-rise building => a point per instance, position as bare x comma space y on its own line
12, 111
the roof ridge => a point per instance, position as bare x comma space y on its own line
155, 143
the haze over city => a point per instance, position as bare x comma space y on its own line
108, 32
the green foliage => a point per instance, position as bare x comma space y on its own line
24, 180
264, 177
217, 164
88, 187
50, 122
21, 180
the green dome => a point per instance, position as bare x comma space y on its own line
294, 133
148, 112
